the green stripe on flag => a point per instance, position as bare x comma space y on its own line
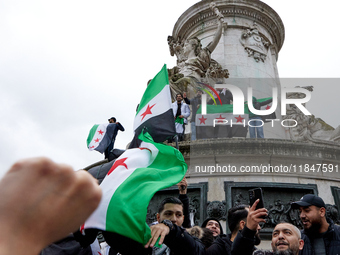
91, 134
126, 212
227, 107
217, 108
154, 87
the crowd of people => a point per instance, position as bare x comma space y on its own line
319, 235
42, 204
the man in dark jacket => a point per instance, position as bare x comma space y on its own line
245, 235
117, 126
321, 235
242, 239
169, 230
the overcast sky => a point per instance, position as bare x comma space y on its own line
67, 65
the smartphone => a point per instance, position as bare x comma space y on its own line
255, 194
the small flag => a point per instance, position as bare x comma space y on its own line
100, 136
154, 111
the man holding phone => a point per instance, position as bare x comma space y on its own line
244, 242
242, 239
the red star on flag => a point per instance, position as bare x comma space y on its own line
239, 119
268, 107
97, 140
202, 120
147, 111
220, 119
119, 162
100, 132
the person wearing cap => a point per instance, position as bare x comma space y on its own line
115, 129
320, 234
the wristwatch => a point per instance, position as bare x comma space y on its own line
168, 223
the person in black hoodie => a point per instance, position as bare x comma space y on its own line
222, 243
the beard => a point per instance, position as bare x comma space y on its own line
293, 249
257, 239
286, 252
313, 230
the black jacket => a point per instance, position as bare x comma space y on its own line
221, 246
185, 200
331, 239
181, 242
244, 242
66, 246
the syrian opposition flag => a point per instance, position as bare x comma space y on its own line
100, 136
267, 118
220, 122
154, 111
131, 183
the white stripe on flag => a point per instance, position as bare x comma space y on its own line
135, 158
97, 138
159, 104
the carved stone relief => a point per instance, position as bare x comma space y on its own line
254, 44
217, 209
277, 199
194, 210
332, 212
308, 128
336, 196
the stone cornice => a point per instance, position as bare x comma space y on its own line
297, 159
274, 147
254, 10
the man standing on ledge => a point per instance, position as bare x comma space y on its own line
320, 234
181, 112
117, 127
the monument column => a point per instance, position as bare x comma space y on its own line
252, 37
